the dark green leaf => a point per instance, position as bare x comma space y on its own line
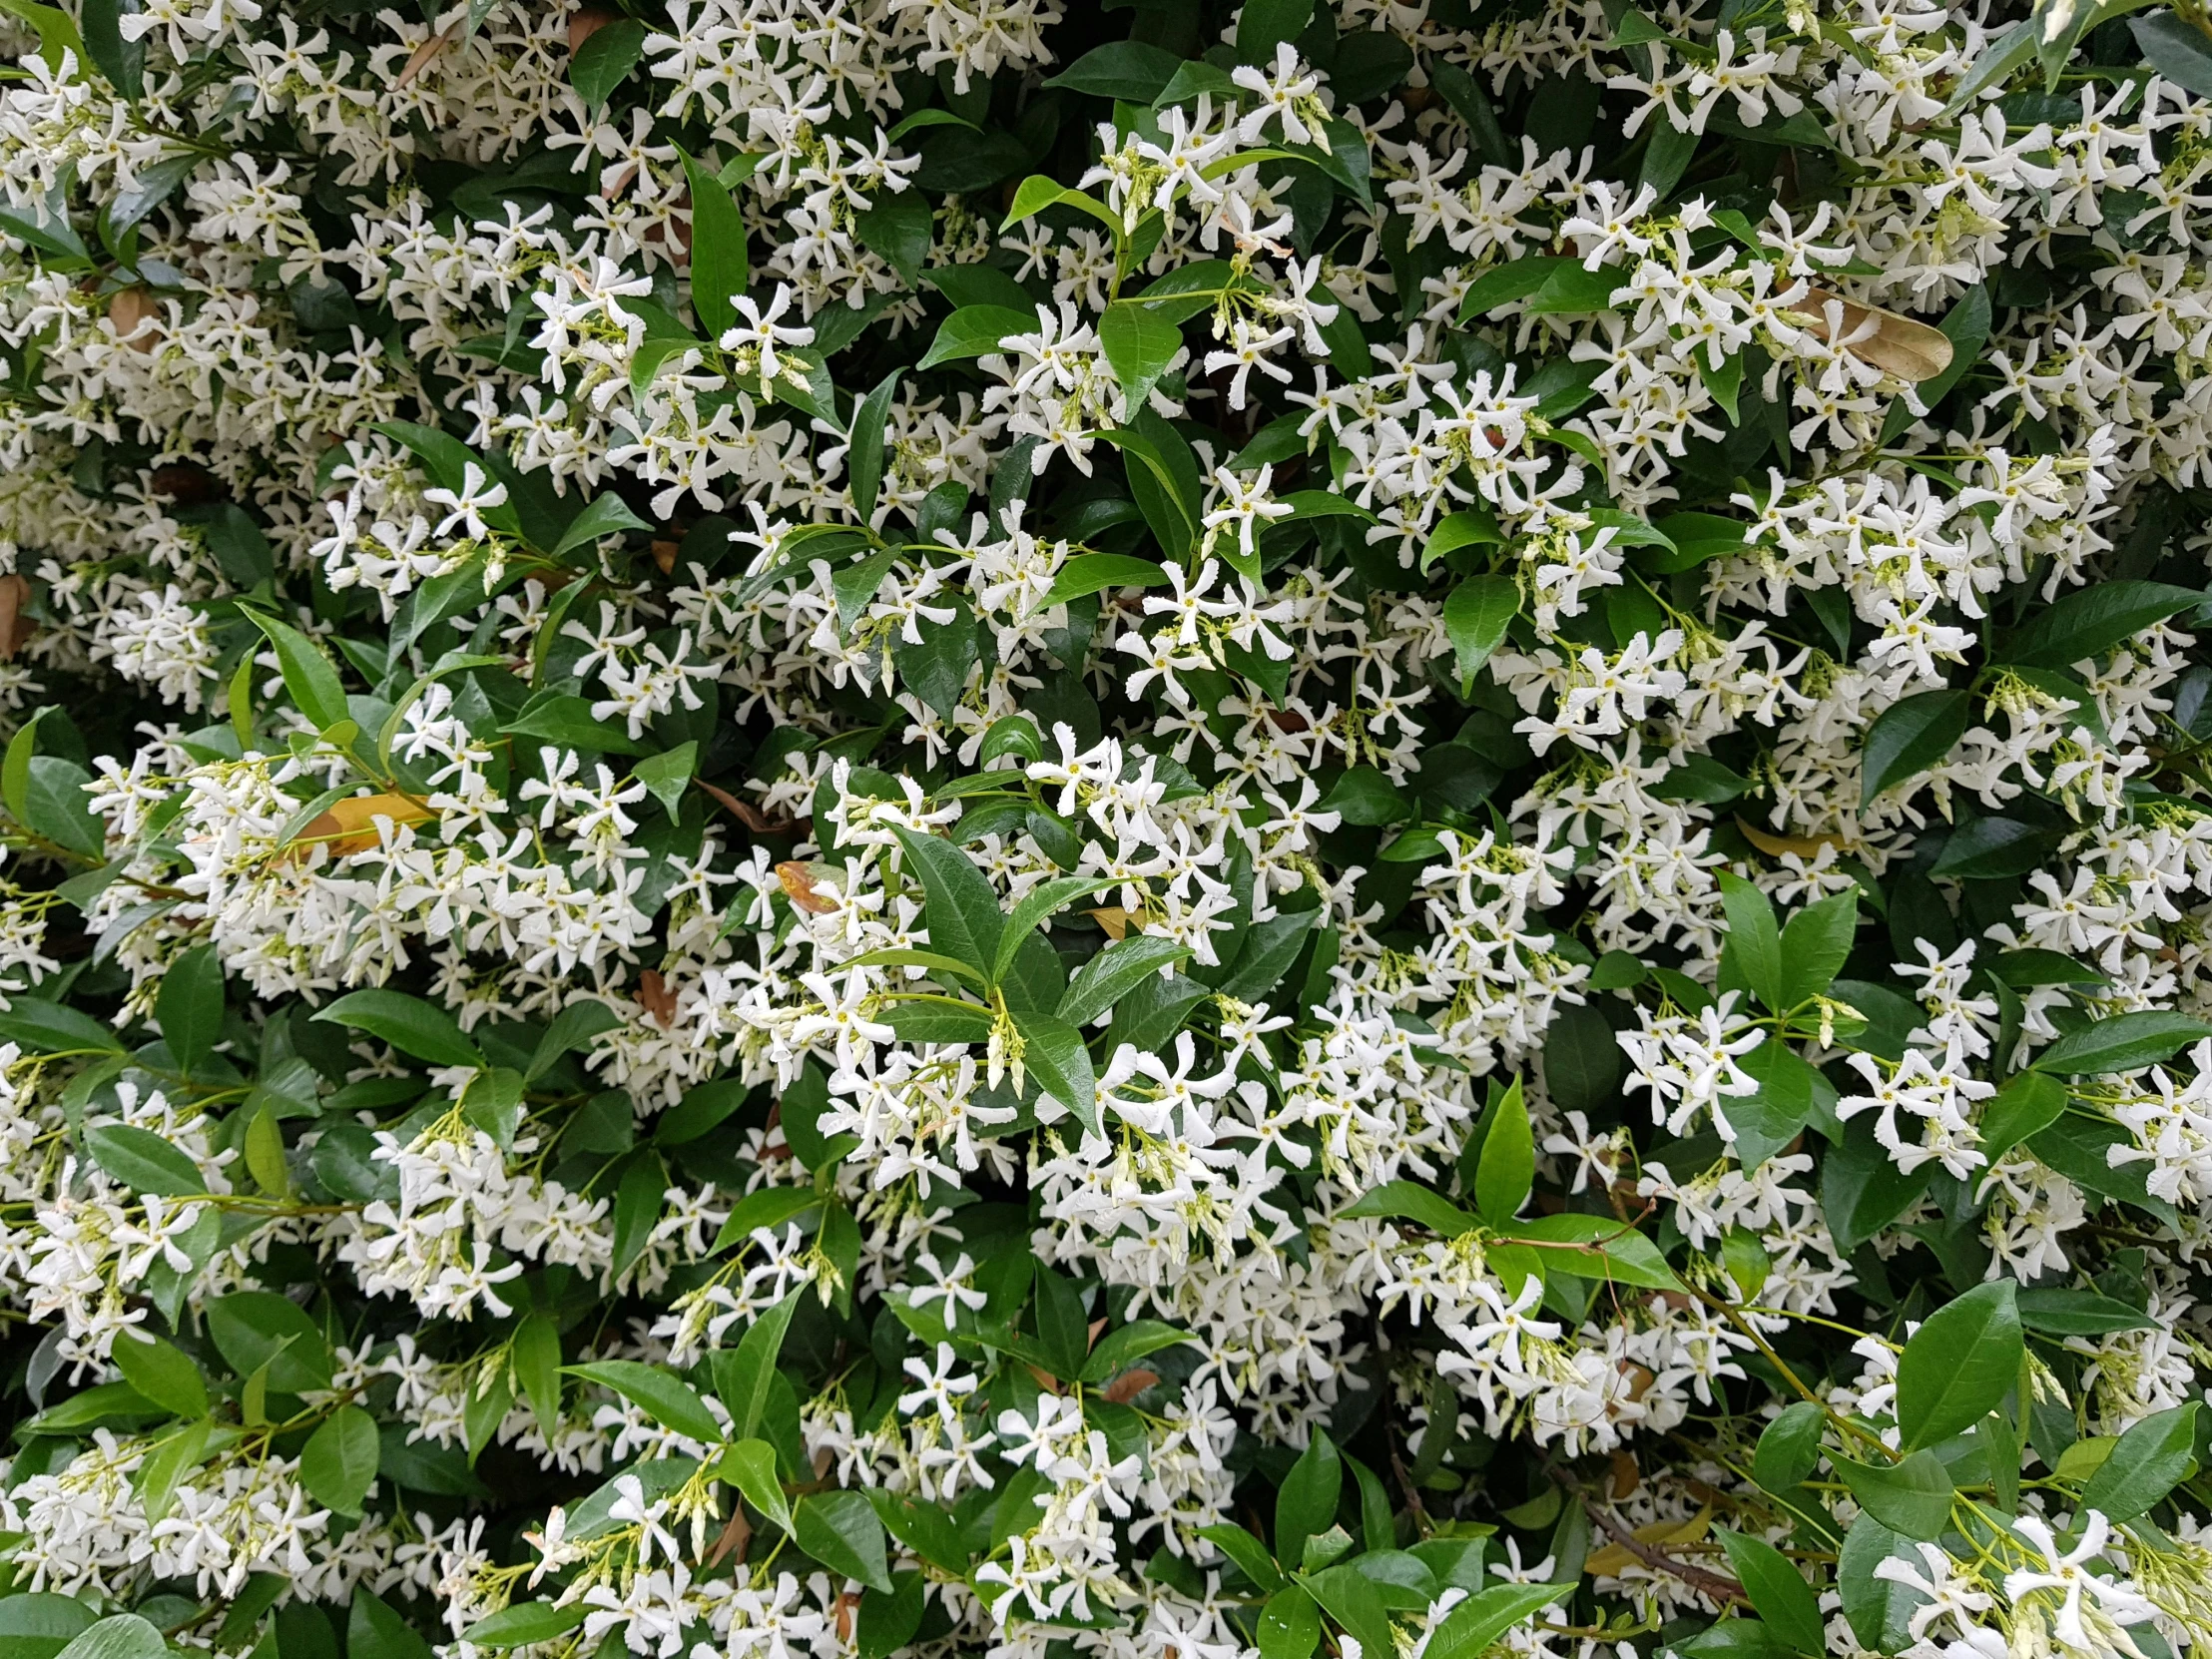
1913, 1498
1776, 1589
2124, 1042
338, 1463
1908, 737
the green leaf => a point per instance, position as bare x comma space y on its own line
142, 1161
1477, 615
1878, 1611
960, 908
898, 227
1354, 1603
666, 1399
189, 1005
639, 1197
39, 1624
608, 514
119, 1636
408, 1023
1788, 1448
744, 1378
1862, 1191
975, 332
51, 1029
841, 1531
1908, 737
1410, 1201
665, 775
57, 35
1777, 1590
1139, 345
1815, 946
254, 1328
1110, 975
1473, 1627
56, 807
2016, 46
2082, 626
1754, 945
1055, 1055
1911, 1497
718, 253
572, 1031
1305, 1502
1262, 26
1507, 1169
529, 1622
162, 1372
1127, 70
604, 61
1766, 1122
1122, 1346
15, 771
2153, 1457
1960, 1364
2061, 1312
2179, 52
750, 1465
2125, 1043
2028, 1104
1606, 1249
566, 721
864, 459
1290, 1625
937, 669
171, 1458
374, 1631
1089, 573
309, 679
536, 1356
1034, 906
940, 1022
1247, 1552
338, 1463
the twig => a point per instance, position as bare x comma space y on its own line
1702, 1579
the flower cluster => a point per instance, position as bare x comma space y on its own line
948, 826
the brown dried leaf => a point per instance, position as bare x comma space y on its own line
1128, 1386
1894, 345
420, 59
799, 882
1113, 919
736, 1533
16, 628
350, 826
659, 1000
585, 22
748, 814
126, 310
663, 555
1626, 1475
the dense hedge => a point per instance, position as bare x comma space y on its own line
1131, 830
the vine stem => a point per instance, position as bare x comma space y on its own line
1736, 1318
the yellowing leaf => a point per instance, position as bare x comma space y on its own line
350, 826
1615, 1558
1805, 847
